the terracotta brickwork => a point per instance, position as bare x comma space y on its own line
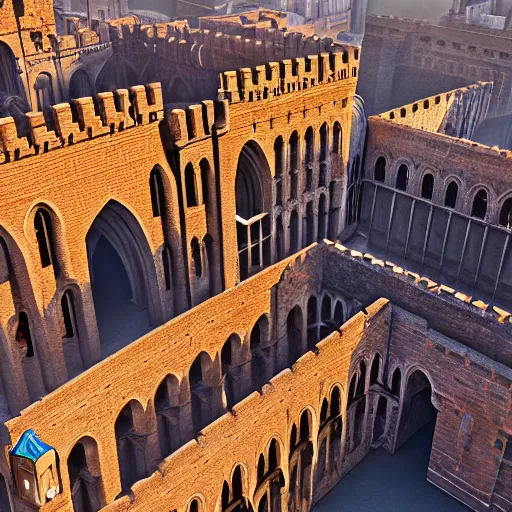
168, 284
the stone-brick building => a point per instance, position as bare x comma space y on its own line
182, 329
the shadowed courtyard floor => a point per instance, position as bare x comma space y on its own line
392, 483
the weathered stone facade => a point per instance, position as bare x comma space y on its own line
174, 319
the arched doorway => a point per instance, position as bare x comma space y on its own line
123, 278
253, 190
417, 407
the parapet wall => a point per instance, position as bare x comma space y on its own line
81, 120
220, 51
287, 76
446, 113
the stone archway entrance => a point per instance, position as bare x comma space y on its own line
123, 278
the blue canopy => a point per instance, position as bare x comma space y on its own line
30, 447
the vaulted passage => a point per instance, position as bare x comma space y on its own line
122, 275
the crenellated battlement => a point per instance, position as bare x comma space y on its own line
210, 49
444, 113
290, 75
423, 282
82, 119
198, 121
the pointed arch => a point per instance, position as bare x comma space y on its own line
85, 479
293, 148
130, 452
157, 193
309, 157
166, 402
324, 155
253, 194
427, 187
480, 203
191, 188
452, 191
123, 277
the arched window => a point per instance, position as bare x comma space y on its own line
85, 476
130, 453
337, 138
506, 214
68, 315
237, 484
194, 506
205, 171
374, 372
196, 257
304, 431
45, 238
294, 232
294, 164
402, 177
339, 315
167, 266
166, 400
335, 402
427, 187
23, 336
324, 153
278, 156
309, 231
273, 456
322, 218
450, 198
309, 157
191, 185
479, 209
157, 193
380, 169
396, 382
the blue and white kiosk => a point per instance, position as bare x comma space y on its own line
34, 468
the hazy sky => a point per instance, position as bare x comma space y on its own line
420, 9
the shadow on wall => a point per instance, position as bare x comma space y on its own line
496, 131
431, 10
